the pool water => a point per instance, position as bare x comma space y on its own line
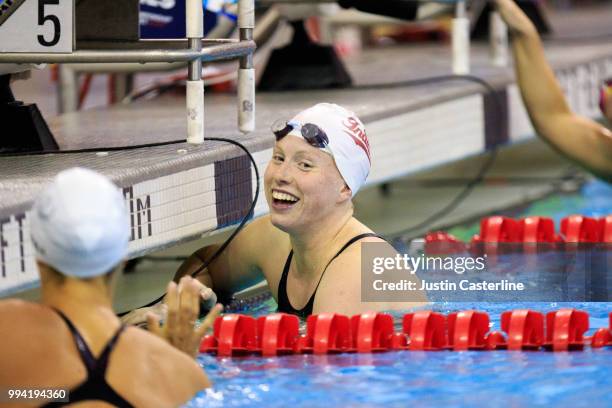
593, 199
402, 378
442, 378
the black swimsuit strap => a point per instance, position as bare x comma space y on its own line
95, 387
92, 364
284, 305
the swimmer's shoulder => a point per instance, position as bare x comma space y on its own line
164, 364
347, 264
29, 331
265, 239
18, 313
356, 228
263, 225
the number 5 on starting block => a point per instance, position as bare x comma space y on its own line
36, 26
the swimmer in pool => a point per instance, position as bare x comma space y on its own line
309, 247
73, 339
581, 139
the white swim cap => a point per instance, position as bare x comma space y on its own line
80, 224
347, 140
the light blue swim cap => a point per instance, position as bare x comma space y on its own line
80, 224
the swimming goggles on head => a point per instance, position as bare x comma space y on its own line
314, 135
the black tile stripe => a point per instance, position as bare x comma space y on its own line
233, 189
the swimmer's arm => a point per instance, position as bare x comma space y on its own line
579, 138
237, 267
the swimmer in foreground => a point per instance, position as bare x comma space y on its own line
579, 138
73, 340
309, 247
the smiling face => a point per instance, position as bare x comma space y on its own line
303, 185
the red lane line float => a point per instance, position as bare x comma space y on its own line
603, 336
605, 229
538, 233
580, 229
565, 329
525, 329
495, 341
537, 230
373, 332
326, 333
499, 229
426, 330
467, 330
443, 243
277, 334
233, 334
496, 230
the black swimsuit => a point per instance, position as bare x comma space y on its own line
284, 305
95, 387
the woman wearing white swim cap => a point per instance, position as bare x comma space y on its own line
72, 339
309, 247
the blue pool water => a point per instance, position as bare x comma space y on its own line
403, 378
424, 379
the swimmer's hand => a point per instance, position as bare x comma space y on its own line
513, 16
179, 329
138, 317
208, 298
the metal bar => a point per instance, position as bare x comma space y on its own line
68, 90
213, 53
194, 67
246, 61
173, 44
194, 31
246, 73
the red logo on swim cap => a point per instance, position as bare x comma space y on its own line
354, 130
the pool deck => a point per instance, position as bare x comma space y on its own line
180, 192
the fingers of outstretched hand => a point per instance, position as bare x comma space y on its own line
173, 303
183, 306
153, 324
190, 303
199, 332
208, 321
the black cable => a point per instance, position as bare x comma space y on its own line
430, 80
450, 182
217, 139
463, 194
455, 202
164, 258
234, 233
92, 150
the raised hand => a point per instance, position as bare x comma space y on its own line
513, 16
183, 304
